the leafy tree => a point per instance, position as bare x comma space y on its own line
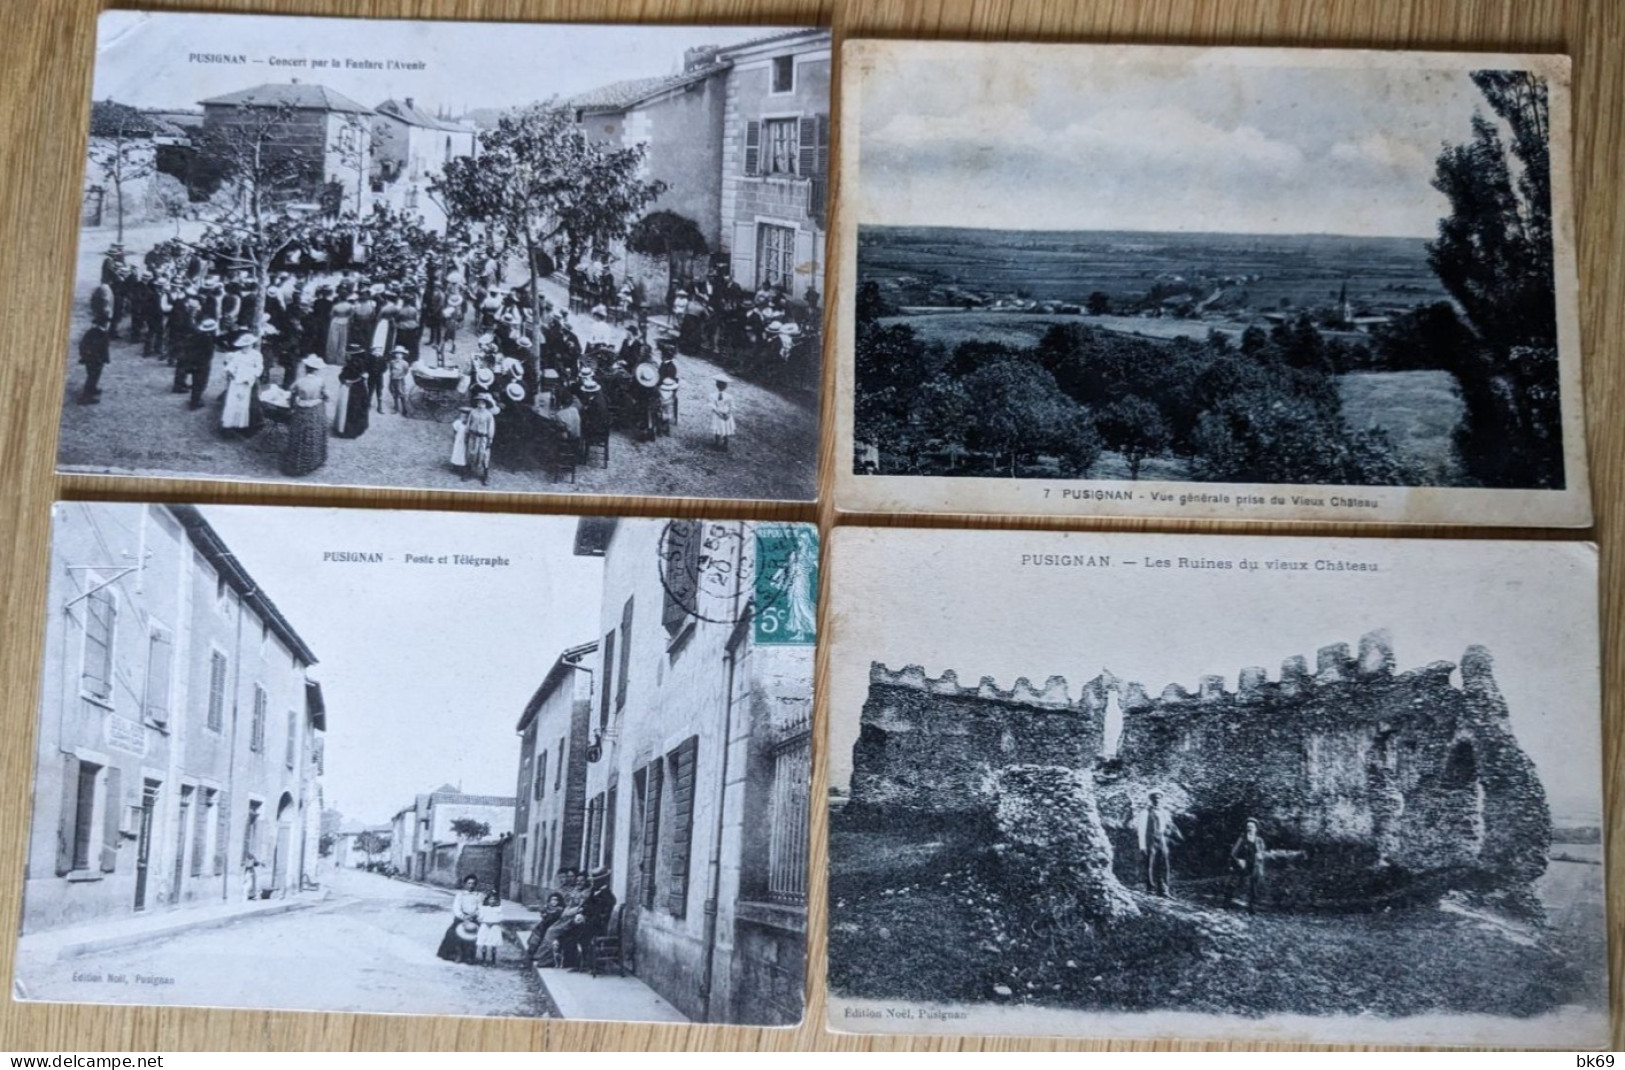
371, 842
1098, 303
1269, 435
1135, 428
262, 167
352, 147
540, 183
470, 830
121, 149
890, 365
1494, 255
871, 303
324, 844
667, 235
1017, 410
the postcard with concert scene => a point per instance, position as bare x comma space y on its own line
1068, 796
423, 763
409, 254
1214, 283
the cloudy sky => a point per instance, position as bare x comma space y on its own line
147, 60
960, 600
1027, 137
425, 668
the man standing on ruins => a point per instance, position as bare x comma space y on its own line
1159, 827
1248, 855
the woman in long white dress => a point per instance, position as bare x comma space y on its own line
243, 370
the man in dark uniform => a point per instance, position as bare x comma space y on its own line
595, 912
93, 354
198, 360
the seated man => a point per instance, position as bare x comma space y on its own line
559, 941
595, 911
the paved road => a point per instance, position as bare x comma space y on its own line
368, 948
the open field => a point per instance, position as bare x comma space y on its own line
1302, 269
1420, 410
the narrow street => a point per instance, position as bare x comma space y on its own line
369, 947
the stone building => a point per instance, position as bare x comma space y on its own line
320, 139
1382, 780
410, 149
697, 766
550, 794
180, 733
425, 847
775, 160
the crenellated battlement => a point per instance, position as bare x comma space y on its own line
1336, 665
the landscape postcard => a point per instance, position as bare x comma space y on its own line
422, 763
1069, 796
1220, 283
391, 253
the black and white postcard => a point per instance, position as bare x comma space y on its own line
422, 763
1218, 283
1302, 790
545, 258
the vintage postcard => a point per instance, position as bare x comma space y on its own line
412, 254
423, 763
1207, 282
1071, 796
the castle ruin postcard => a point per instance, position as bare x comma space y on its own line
1070, 796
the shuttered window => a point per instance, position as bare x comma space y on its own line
217, 690
609, 671
609, 824
680, 594
753, 147
76, 833
539, 789
680, 840
626, 656
256, 728
595, 830
292, 747
558, 773
784, 74
222, 834
155, 701
651, 829
201, 824
101, 614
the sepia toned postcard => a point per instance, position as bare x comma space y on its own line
391, 253
1371, 813
422, 763
1249, 284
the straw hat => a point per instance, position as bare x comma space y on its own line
208, 325
647, 374
243, 341
484, 377
313, 363
516, 391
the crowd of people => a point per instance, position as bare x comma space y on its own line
536, 379
572, 918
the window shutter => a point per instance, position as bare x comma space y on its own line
293, 726
112, 805
682, 823
539, 786
100, 615
807, 146
818, 195
159, 660
626, 655
609, 671
609, 824
68, 820
651, 829
753, 147
217, 690
222, 834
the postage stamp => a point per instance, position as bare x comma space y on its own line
786, 584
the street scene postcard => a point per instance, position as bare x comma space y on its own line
1083, 280
545, 258
1069, 796
423, 763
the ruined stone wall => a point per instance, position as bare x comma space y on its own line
1354, 763
933, 746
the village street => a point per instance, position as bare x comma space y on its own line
370, 946
140, 426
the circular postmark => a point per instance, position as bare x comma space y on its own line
707, 569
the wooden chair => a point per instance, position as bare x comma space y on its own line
558, 454
596, 438
607, 950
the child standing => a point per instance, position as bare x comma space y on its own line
399, 369
722, 415
489, 940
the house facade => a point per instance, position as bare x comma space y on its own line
410, 149
550, 793
319, 141
697, 768
180, 735
425, 845
775, 161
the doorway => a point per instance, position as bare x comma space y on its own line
143, 854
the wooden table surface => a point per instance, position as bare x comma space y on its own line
45, 53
